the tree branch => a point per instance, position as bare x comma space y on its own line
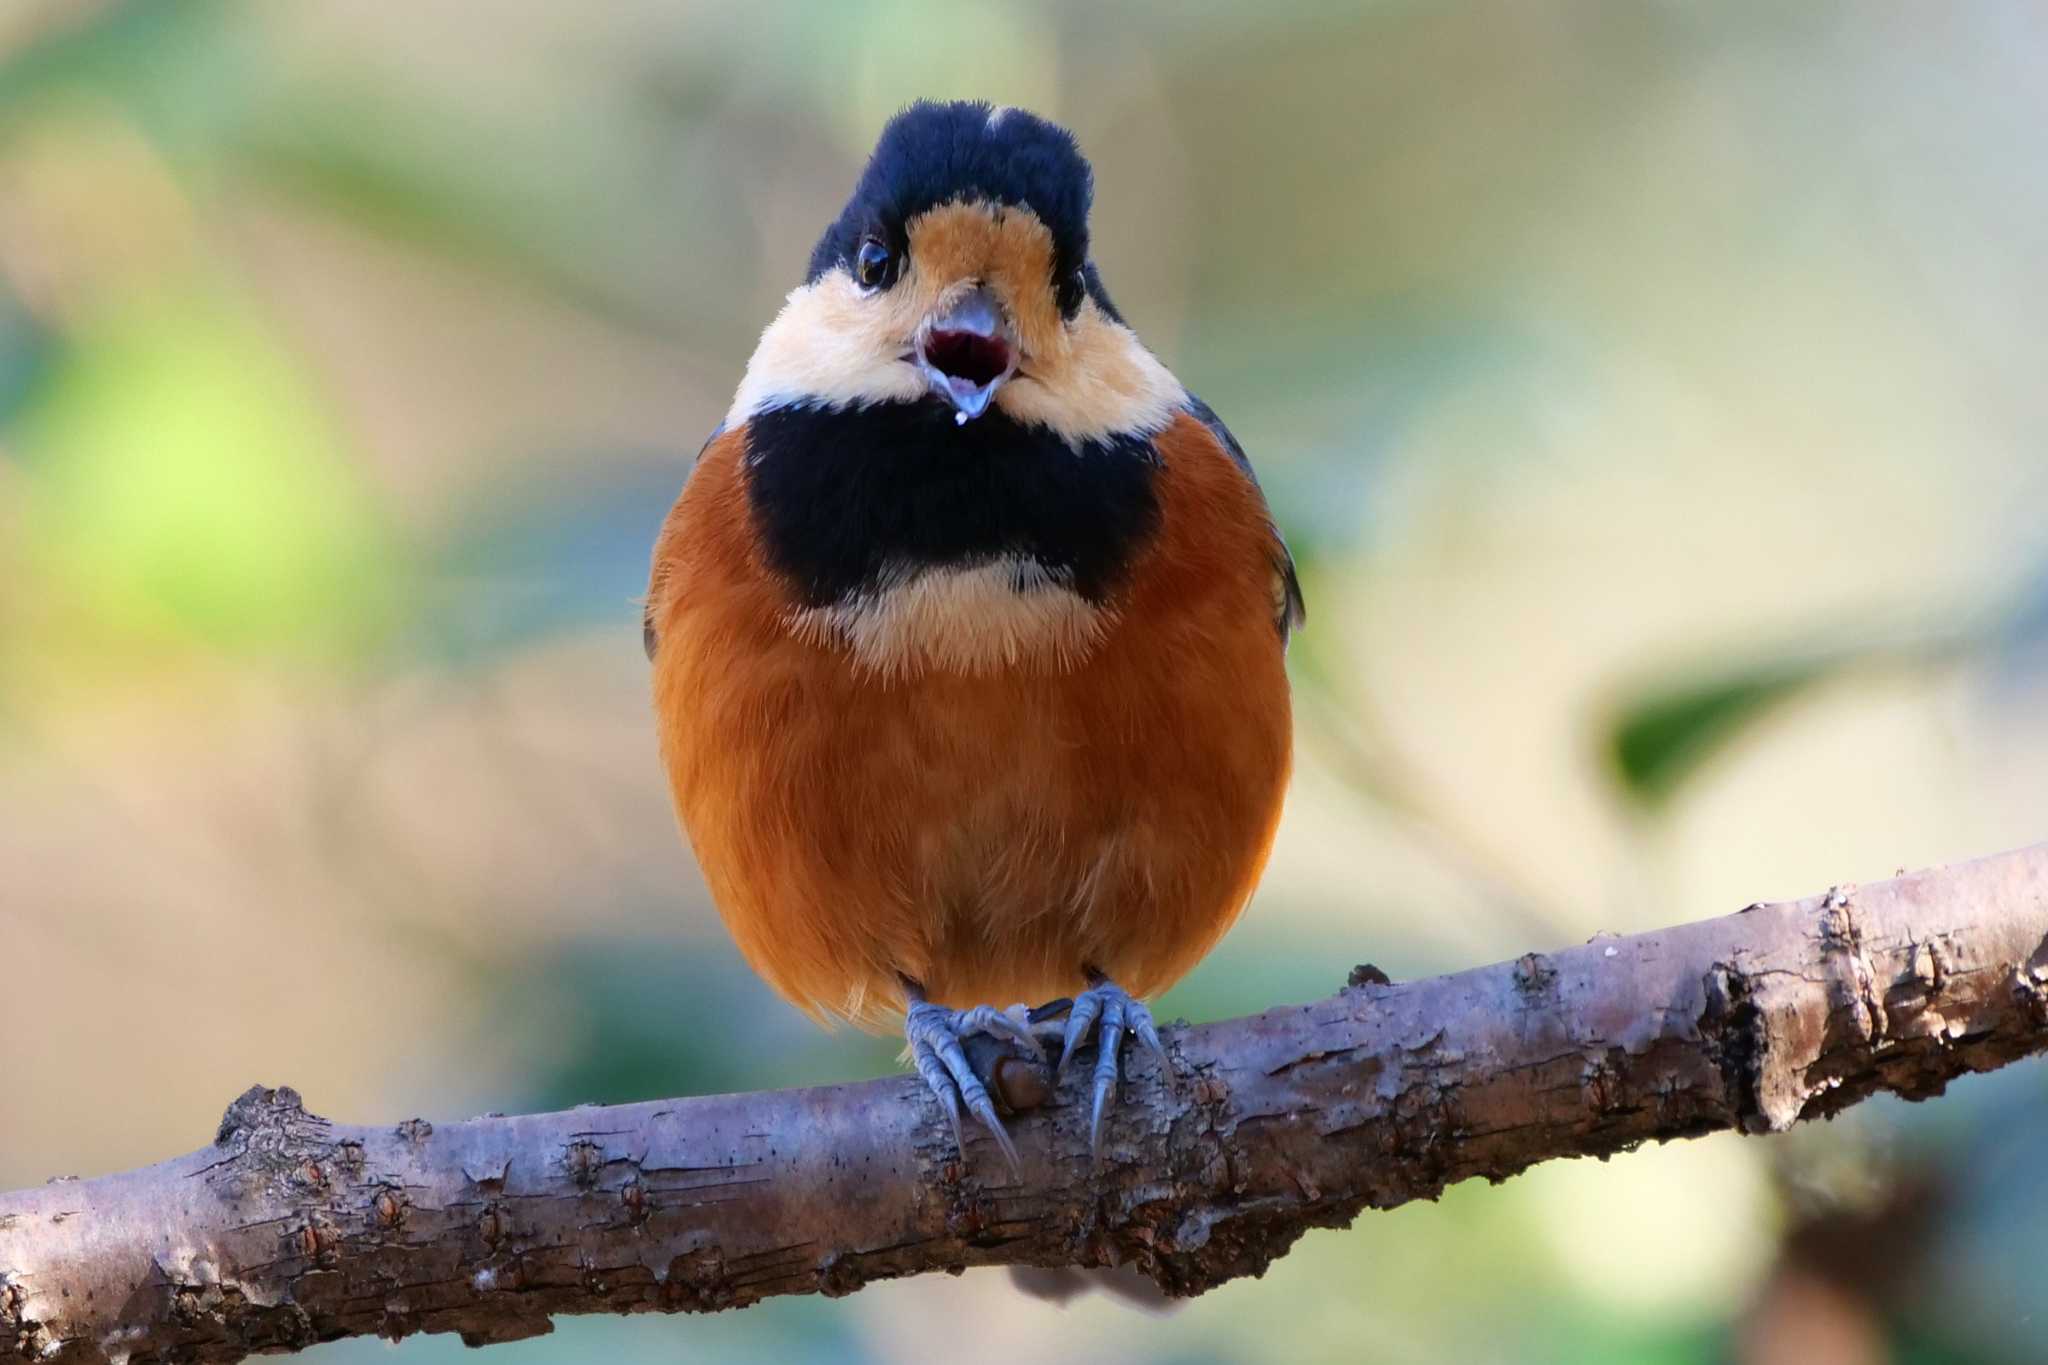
290, 1229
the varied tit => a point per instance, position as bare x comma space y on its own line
968, 626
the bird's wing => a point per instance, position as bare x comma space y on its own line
649, 637
1290, 610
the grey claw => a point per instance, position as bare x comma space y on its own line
985, 1110
934, 1034
988, 1019
936, 1079
1105, 1006
1087, 1006
1109, 1050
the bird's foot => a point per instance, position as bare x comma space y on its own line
1109, 1008
934, 1033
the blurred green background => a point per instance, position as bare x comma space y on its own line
1654, 394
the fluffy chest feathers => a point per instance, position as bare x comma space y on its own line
1010, 612
980, 827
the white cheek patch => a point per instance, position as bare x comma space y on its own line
1008, 613
833, 346
1105, 384
829, 347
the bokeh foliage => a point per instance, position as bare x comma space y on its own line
1650, 392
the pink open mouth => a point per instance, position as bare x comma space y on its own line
967, 353
979, 360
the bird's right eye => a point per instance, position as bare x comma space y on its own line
871, 263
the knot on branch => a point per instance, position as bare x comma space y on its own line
272, 1142
259, 1109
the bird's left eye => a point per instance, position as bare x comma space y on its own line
1069, 292
871, 263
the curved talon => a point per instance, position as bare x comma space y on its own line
934, 1034
1087, 1006
940, 1083
1109, 1045
1108, 1008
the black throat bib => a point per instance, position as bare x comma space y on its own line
843, 496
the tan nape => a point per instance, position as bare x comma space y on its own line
834, 345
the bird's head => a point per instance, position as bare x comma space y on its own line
958, 275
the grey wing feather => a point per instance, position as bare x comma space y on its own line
1290, 609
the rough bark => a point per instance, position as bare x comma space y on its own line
289, 1229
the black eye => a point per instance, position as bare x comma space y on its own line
871, 263
1069, 291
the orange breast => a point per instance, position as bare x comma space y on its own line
984, 833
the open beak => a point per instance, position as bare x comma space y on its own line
966, 352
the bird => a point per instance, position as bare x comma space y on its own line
968, 629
